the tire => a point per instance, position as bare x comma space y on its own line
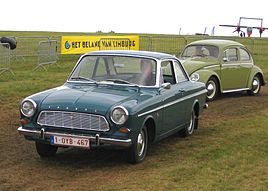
12, 43
255, 86
213, 88
45, 150
137, 152
189, 130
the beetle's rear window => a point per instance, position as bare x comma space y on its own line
207, 51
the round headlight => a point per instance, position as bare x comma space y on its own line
194, 77
119, 115
28, 107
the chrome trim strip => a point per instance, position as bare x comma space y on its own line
96, 139
174, 102
238, 64
235, 90
230, 65
212, 66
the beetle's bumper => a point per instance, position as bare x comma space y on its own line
97, 140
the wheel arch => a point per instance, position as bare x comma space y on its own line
149, 123
256, 71
205, 75
196, 109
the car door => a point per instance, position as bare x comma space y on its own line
232, 75
173, 103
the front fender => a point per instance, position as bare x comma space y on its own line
204, 75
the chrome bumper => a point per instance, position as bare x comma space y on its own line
42, 134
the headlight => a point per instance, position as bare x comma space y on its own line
28, 107
119, 115
194, 77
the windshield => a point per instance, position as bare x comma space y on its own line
199, 51
116, 69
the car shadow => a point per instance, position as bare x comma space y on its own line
104, 156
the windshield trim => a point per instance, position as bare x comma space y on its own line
157, 83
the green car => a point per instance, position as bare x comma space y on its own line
223, 65
116, 98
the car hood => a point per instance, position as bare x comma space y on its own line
89, 98
192, 65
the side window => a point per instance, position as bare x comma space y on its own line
231, 54
244, 55
180, 75
167, 72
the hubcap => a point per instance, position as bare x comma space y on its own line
255, 85
191, 126
140, 143
211, 87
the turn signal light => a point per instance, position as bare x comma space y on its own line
124, 130
24, 121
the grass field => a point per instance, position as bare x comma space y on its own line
228, 152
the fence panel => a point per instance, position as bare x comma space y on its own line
5, 58
166, 44
47, 53
146, 43
27, 46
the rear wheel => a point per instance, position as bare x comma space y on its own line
255, 86
189, 130
212, 88
45, 150
137, 152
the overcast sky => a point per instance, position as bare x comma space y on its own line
129, 16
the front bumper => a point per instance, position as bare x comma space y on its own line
97, 140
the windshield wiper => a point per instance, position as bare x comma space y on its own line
117, 81
83, 78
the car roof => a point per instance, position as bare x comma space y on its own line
216, 42
134, 53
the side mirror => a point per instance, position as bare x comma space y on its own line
166, 86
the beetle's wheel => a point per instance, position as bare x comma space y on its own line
212, 88
255, 86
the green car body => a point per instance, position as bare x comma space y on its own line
101, 104
223, 65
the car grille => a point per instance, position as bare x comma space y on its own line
73, 120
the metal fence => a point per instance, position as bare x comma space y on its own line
46, 48
5, 58
47, 53
27, 46
174, 44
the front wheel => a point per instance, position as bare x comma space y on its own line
255, 86
212, 88
45, 150
137, 152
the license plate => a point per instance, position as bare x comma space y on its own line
70, 141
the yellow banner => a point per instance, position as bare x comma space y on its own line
83, 44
